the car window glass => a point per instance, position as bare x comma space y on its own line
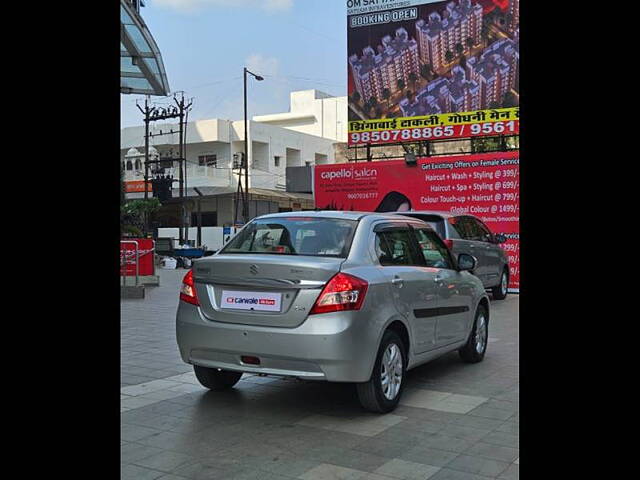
484, 231
436, 222
294, 236
434, 251
452, 232
476, 233
460, 226
393, 247
265, 239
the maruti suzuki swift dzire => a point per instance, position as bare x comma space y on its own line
334, 296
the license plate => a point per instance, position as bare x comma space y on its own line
257, 301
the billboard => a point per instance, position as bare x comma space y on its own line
484, 185
430, 69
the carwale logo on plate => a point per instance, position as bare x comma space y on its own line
258, 301
251, 301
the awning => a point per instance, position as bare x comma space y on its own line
141, 67
216, 191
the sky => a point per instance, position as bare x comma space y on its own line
294, 44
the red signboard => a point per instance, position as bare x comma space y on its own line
145, 255
484, 185
136, 186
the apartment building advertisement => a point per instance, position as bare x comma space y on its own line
432, 69
484, 185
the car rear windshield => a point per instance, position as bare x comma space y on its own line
319, 237
436, 222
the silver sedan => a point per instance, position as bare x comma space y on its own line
335, 296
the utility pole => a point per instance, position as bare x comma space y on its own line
182, 109
153, 113
245, 157
245, 201
239, 190
147, 119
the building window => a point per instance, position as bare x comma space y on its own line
138, 165
276, 161
208, 161
129, 165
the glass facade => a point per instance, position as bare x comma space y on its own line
141, 67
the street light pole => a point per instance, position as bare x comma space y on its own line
245, 201
245, 159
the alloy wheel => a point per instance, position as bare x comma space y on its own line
391, 371
481, 333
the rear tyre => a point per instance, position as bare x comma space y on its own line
215, 379
382, 392
476, 346
500, 291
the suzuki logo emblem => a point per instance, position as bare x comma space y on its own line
253, 269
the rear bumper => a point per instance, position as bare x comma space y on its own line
338, 347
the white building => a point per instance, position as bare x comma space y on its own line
313, 112
211, 144
307, 139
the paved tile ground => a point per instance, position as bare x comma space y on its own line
455, 421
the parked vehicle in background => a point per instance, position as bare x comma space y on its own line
468, 234
336, 296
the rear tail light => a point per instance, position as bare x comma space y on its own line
449, 243
342, 292
188, 290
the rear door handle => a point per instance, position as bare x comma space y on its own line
397, 281
437, 279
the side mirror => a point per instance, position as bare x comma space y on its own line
499, 238
466, 262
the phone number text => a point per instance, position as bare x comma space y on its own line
511, 127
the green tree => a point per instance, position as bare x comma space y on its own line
469, 42
494, 105
509, 100
386, 94
137, 214
425, 71
355, 97
486, 28
449, 56
459, 48
401, 84
413, 78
